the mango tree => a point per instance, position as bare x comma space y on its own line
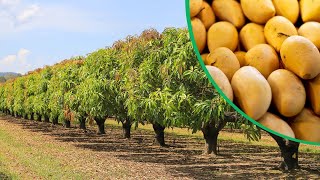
55, 95
118, 91
19, 88
29, 93
46, 75
72, 100
189, 99
94, 92
2, 109
40, 100
141, 79
8, 99
69, 81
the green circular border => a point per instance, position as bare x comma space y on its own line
187, 6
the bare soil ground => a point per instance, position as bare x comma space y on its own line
109, 156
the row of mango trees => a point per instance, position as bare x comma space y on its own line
151, 78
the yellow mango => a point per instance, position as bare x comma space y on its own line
221, 80
224, 59
258, 11
310, 10
229, 10
276, 124
222, 34
301, 56
251, 91
252, 34
200, 33
277, 30
264, 58
306, 126
288, 92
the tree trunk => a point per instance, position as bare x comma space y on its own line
67, 123
126, 127
46, 118
289, 153
55, 121
82, 123
32, 116
210, 134
159, 130
100, 123
39, 118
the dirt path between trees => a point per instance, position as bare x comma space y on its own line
37, 150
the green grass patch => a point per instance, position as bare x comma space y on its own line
32, 159
5, 174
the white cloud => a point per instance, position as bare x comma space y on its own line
16, 62
28, 13
9, 2
23, 52
15, 13
22, 56
16, 16
66, 19
8, 60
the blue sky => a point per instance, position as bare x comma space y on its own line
34, 33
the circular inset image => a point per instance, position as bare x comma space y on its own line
267, 55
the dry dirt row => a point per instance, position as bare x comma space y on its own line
112, 157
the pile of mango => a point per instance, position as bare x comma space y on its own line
264, 55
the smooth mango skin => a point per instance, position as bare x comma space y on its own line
200, 33
229, 10
277, 30
301, 56
289, 9
252, 91
195, 7
276, 124
311, 31
313, 89
259, 11
306, 126
251, 35
222, 34
241, 57
224, 59
264, 58
310, 10
221, 80
206, 15
288, 92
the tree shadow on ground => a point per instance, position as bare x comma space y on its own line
182, 158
